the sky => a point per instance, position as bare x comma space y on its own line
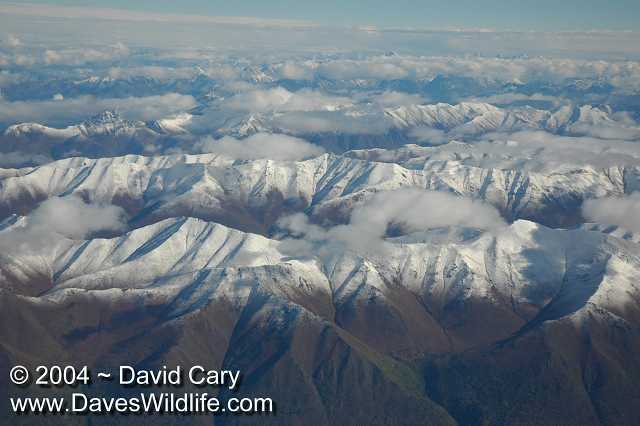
527, 15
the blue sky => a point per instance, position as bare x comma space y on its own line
542, 15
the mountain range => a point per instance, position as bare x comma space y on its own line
109, 134
370, 239
454, 325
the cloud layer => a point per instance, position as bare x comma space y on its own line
260, 145
621, 211
403, 210
73, 110
57, 217
280, 99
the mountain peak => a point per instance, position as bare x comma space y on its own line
108, 116
108, 122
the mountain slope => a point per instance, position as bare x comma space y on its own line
251, 195
184, 291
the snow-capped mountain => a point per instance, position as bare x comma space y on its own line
443, 267
31, 130
172, 125
445, 116
108, 123
444, 291
111, 134
253, 194
479, 118
467, 120
106, 134
369, 239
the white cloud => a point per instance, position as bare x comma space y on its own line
332, 121
220, 72
613, 130
292, 71
540, 151
149, 71
12, 41
621, 211
410, 210
280, 99
70, 56
72, 110
623, 75
73, 218
368, 70
259, 100
68, 217
160, 30
261, 145
418, 210
392, 98
429, 135
82, 55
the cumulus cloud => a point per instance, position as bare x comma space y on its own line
612, 130
151, 71
224, 32
73, 218
261, 145
541, 151
620, 74
366, 70
410, 210
67, 56
392, 98
292, 71
12, 41
332, 121
280, 99
429, 135
57, 217
82, 55
621, 211
72, 110
417, 210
